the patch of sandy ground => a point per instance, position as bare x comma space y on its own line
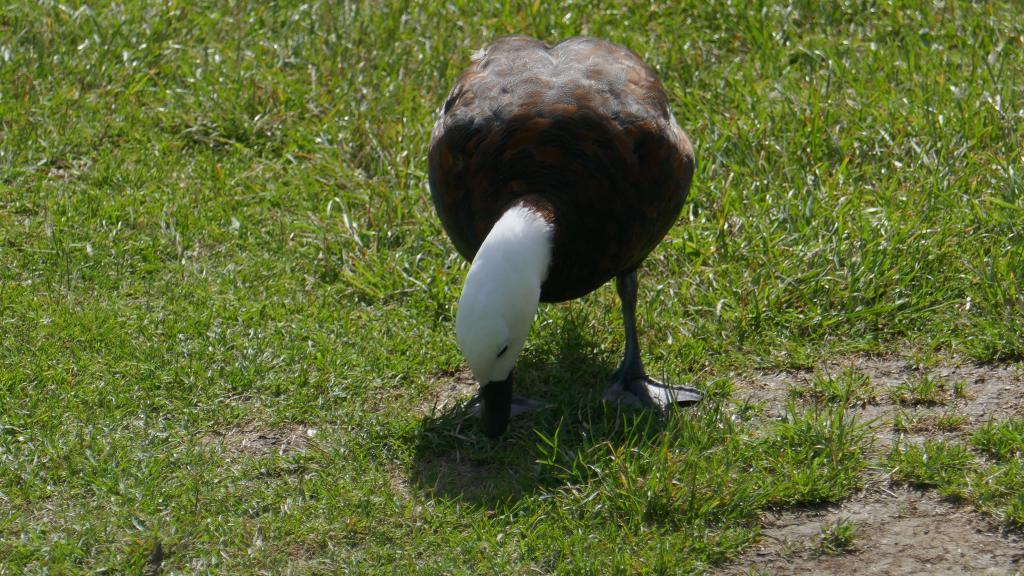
899, 530
254, 440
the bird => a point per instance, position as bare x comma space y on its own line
554, 169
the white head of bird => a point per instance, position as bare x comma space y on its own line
502, 292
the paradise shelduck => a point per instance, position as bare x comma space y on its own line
554, 169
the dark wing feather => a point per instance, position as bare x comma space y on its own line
582, 132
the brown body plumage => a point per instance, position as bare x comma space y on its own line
580, 132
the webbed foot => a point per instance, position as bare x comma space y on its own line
645, 392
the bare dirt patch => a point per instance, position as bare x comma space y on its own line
989, 392
898, 530
254, 440
456, 387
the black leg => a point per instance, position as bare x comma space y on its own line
631, 382
626, 286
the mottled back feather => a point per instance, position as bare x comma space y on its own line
581, 132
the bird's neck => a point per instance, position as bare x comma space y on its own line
510, 267
519, 245
502, 293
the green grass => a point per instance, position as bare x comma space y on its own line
924, 390
837, 537
992, 477
919, 421
848, 387
213, 217
1002, 441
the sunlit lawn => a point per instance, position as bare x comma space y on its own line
215, 236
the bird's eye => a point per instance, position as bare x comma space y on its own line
502, 351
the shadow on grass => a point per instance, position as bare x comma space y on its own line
454, 460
